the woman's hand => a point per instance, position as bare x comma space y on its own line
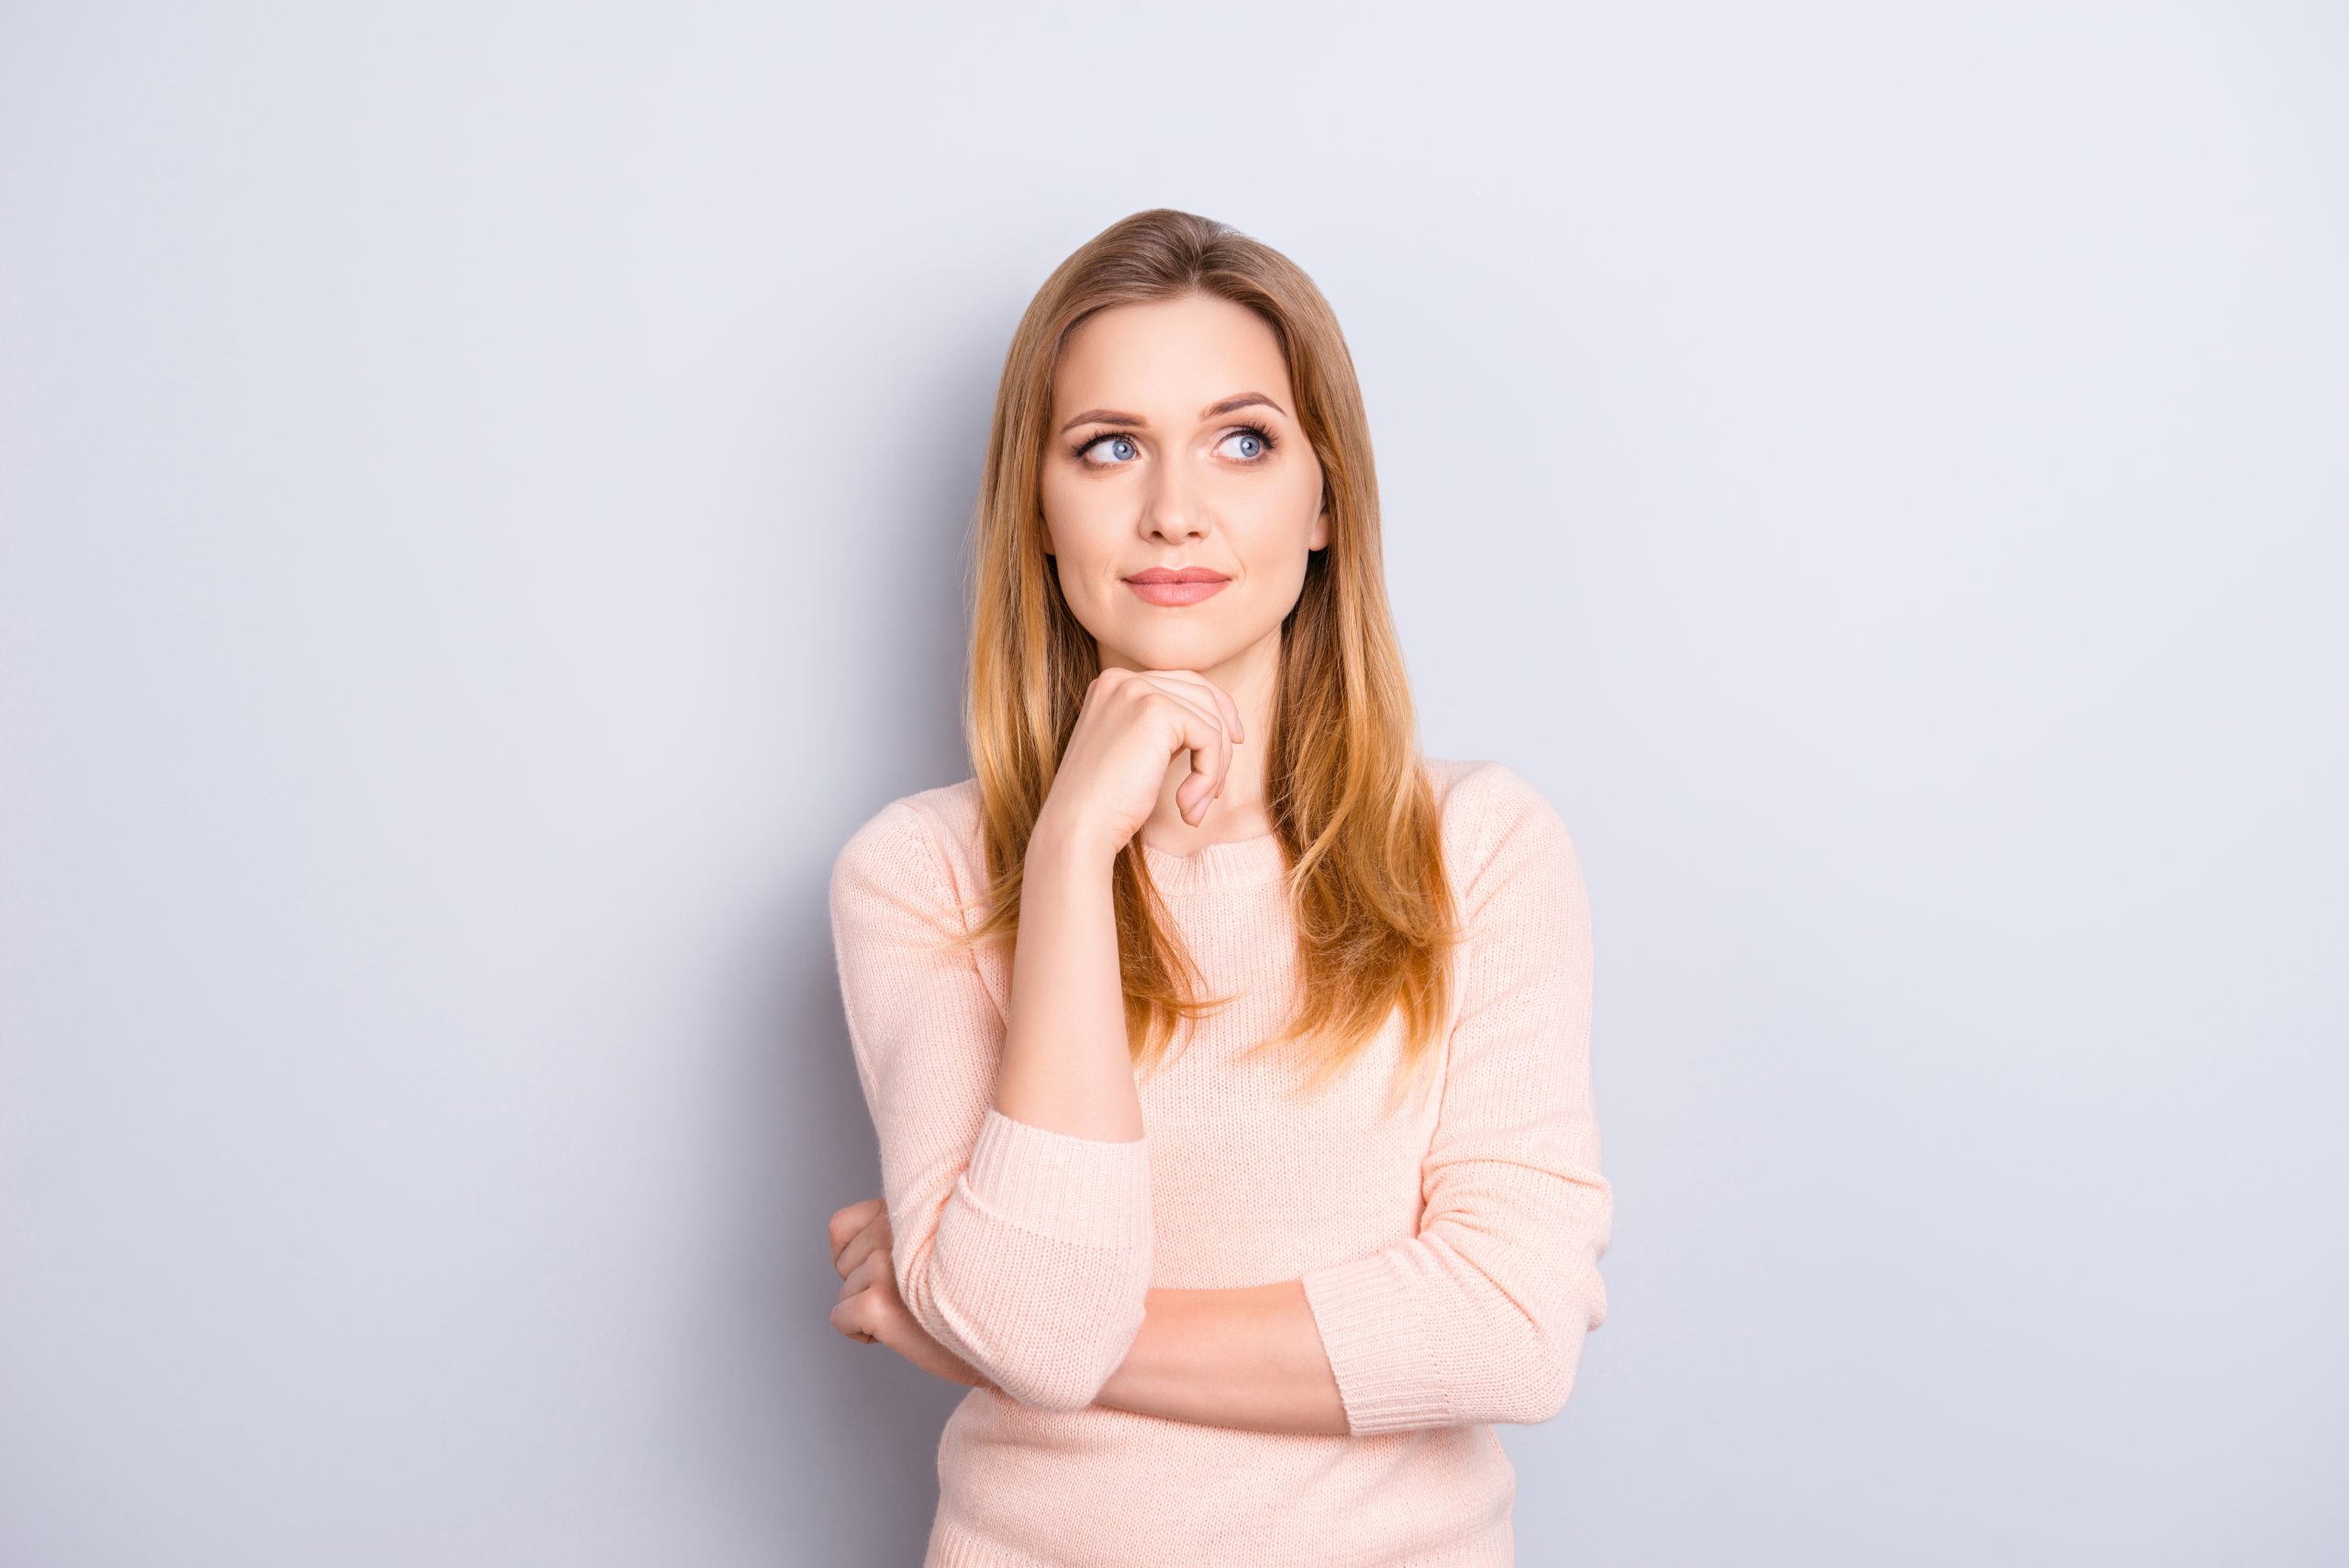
1132, 725
869, 1309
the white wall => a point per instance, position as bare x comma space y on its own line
481, 492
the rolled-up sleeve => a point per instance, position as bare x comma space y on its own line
1482, 1315
1024, 1250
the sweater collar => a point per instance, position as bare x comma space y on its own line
1242, 862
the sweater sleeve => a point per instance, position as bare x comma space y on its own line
1481, 1316
1024, 1250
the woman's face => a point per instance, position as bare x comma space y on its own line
1175, 443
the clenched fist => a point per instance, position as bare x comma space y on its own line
869, 1310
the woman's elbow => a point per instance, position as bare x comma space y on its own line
1542, 1395
1541, 1376
1063, 1370
1524, 1344
1047, 1337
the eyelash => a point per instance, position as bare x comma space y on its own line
1258, 431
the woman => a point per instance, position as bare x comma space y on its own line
1229, 1059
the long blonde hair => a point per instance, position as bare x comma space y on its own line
1352, 807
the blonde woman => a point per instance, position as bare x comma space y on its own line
1229, 1059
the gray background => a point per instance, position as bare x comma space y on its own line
483, 492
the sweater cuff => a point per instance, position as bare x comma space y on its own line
1381, 1354
1086, 1190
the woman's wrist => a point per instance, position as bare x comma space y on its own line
1058, 846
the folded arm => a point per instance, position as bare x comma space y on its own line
1249, 1357
1023, 1250
1480, 1315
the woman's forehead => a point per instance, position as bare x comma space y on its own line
1170, 358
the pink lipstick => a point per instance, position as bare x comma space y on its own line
1177, 586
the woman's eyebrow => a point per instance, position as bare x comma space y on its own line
1111, 417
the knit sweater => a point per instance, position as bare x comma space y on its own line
1449, 1252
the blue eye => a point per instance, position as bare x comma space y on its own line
1110, 438
1261, 436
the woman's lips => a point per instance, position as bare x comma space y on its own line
1166, 592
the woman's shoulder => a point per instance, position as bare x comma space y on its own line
1486, 806
934, 830
1476, 795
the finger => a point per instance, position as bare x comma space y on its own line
874, 1239
849, 1319
866, 1272
1201, 733
845, 1254
846, 1222
1215, 762
1230, 707
1222, 701
1227, 709
1207, 744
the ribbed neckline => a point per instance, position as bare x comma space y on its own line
1240, 862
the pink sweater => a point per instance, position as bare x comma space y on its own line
1450, 1255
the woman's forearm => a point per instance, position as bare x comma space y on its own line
1065, 1063
1249, 1357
